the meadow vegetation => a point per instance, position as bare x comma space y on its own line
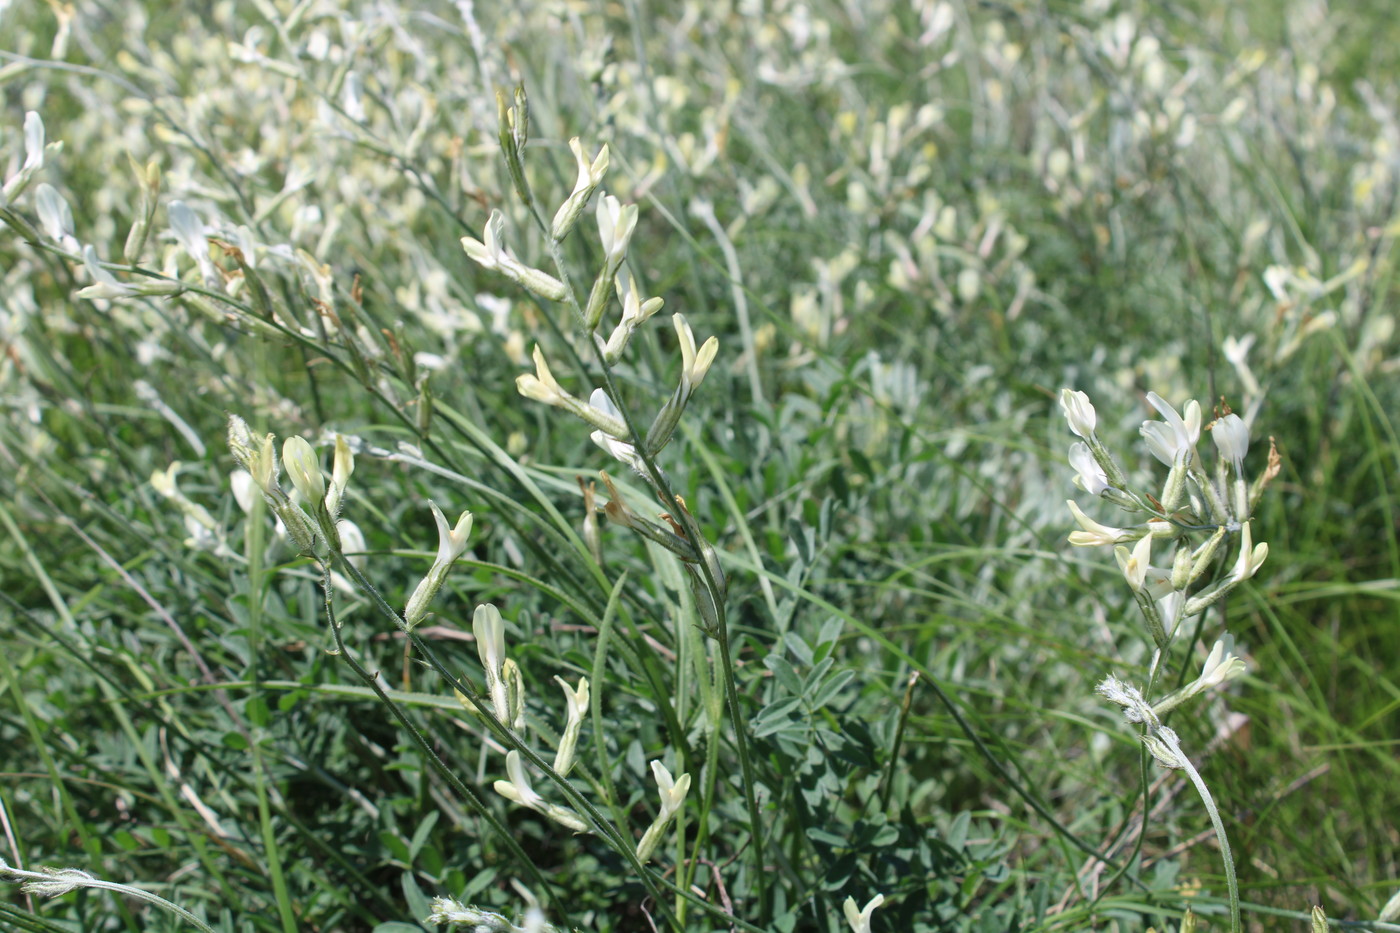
604, 466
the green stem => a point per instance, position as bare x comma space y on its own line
424, 748
657, 479
1231, 882
59, 883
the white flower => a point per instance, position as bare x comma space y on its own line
1237, 354
1092, 533
1169, 605
616, 222
1221, 664
352, 542
672, 791
105, 285
241, 482
604, 415
1079, 412
1231, 436
55, 216
634, 310
492, 254
518, 787
541, 386
1091, 478
694, 363
490, 631
342, 466
1168, 439
859, 919
590, 175
451, 541
33, 142
576, 701
672, 797
1251, 556
488, 254
1134, 564
620, 450
189, 231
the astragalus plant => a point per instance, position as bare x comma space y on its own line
801, 277
1200, 514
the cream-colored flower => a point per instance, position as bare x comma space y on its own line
1092, 533
859, 918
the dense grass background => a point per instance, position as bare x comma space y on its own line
940, 214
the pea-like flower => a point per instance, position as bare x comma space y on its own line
1092, 533
1167, 439
1079, 412
1090, 476
1231, 436
859, 918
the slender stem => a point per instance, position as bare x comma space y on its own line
623, 847
53, 884
715, 589
1231, 882
424, 748
904, 707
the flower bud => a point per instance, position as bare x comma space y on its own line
590, 175
1164, 746
1079, 412
1181, 568
305, 471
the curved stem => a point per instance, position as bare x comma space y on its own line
1231, 882
52, 884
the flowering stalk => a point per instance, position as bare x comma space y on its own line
1191, 501
54, 882
617, 432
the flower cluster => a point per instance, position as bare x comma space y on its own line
1195, 510
1194, 503
612, 431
